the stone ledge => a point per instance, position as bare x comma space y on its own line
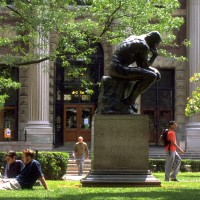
14, 145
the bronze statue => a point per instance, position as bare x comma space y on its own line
130, 73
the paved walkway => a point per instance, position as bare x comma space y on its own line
72, 177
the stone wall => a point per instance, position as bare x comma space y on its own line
15, 146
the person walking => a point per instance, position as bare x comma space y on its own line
173, 160
81, 153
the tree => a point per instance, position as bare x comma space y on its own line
79, 24
6, 84
193, 102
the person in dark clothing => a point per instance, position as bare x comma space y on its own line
28, 176
13, 167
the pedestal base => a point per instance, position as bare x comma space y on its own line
120, 179
40, 134
192, 137
120, 152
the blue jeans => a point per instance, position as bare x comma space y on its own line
80, 164
172, 164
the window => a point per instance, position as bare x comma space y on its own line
158, 103
71, 89
9, 115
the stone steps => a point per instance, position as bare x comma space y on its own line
154, 152
72, 168
159, 152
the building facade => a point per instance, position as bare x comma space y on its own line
52, 109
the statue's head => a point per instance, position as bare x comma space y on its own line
153, 39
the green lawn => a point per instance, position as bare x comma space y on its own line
187, 189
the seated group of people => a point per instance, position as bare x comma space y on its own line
21, 175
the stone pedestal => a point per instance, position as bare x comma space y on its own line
120, 152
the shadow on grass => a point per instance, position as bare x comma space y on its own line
120, 194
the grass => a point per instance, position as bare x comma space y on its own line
187, 189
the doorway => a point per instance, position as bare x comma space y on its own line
158, 103
77, 122
76, 97
158, 120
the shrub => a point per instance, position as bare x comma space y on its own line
195, 165
158, 165
184, 165
54, 164
2, 161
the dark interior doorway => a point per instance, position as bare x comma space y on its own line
158, 103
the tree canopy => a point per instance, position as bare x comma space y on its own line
79, 24
193, 102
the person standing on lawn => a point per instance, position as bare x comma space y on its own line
173, 160
28, 176
80, 152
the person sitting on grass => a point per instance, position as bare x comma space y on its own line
13, 167
28, 176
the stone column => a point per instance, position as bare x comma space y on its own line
38, 129
193, 125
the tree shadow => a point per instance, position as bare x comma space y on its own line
164, 193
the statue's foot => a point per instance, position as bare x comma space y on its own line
134, 107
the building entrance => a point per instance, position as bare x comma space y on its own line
158, 103
77, 122
76, 94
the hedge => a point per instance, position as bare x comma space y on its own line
54, 164
158, 165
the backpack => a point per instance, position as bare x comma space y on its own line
163, 137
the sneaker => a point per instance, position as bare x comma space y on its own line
166, 179
174, 179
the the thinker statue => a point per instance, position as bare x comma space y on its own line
130, 74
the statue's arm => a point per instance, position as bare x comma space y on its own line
153, 57
156, 72
142, 52
141, 55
